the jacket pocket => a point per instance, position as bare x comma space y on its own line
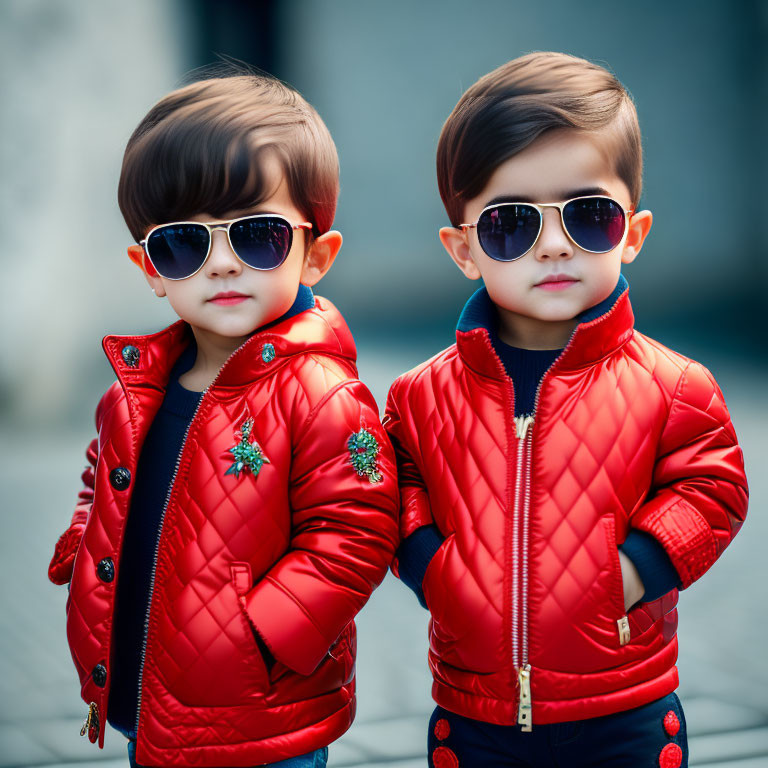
431, 582
240, 574
343, 652
575, 628
202, 643
623, 629
335, 671
463, 632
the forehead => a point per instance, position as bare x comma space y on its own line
558, 165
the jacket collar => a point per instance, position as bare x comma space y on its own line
313, 324
601, 330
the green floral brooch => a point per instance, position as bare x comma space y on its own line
363, 450
246, 454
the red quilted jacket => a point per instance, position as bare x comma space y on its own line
293, 548
527, 611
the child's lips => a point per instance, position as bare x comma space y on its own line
556, 283
229, 297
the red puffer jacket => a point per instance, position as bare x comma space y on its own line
525, 593
292, 545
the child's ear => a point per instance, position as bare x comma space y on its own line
455, 241
139, 258
322, 253
639, 227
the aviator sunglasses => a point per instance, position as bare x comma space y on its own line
507, 231
179, 249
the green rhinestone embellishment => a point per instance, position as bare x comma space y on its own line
246, 454
268, 353
363, 450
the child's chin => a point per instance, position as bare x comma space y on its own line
556, 311
236, 329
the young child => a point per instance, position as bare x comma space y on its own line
241, 499
562, 475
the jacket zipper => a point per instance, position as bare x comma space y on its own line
520, 543
159, 535
520, 523
520, 546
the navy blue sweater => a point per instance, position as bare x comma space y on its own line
154, 473
526, 368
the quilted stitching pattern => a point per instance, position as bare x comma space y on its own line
206, 697
695, 517
627, 433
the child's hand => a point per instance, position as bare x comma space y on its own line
634, 588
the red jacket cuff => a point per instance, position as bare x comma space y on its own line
289, 633
60, 568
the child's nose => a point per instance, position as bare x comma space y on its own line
553, 243
222, 259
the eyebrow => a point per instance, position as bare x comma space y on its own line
567, 194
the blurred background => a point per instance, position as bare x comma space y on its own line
76, 78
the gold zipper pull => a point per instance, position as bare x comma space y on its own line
525, 708
91, 724
522, 423
624, 633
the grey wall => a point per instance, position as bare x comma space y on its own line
75, 79
385, 77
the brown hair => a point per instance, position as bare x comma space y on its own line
198, 150
504, 111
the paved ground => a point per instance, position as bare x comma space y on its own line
723, 622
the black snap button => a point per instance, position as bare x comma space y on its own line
99, 675
120, 478
106, 569
131, 355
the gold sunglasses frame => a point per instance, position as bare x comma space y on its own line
540, 208
211, 226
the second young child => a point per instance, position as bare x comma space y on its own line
562, 475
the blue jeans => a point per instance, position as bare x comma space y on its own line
316, 759
634, 738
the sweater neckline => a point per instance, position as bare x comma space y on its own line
178, 399
600, 330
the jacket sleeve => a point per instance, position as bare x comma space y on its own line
60, 568
653, 565
699, 500
415, 511
414, 555
344, 532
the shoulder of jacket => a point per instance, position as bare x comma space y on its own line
659, 361
422, 374
311, 377
660, 351
681, 376
325, 369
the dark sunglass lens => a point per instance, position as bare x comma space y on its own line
178, 250
261, 242
508, 231
595, 223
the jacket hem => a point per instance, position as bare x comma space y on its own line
248, 753
504, 712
